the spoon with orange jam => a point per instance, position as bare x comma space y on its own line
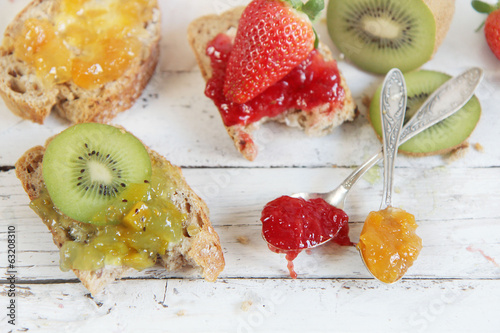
288, 224
388, 243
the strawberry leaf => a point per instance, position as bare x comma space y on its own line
483, 7
296, 4
313, 8
482, 25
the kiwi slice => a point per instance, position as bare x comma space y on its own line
87, 167
443, 136
377, 35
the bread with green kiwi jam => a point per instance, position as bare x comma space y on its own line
197, 244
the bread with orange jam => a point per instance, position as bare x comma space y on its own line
199, 246
85, 67
317, 121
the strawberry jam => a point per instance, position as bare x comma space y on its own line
290, 225
313, 83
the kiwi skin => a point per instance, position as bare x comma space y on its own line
442, 12
414, 79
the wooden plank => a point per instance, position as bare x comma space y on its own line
237, 195
455, 250
262, 305
455, 228
176, 103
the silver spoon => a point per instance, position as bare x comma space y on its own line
444, 102
392, 113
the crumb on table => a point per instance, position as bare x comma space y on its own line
479, 147
246, 305
243, 240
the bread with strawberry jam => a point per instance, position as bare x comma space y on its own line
213, 36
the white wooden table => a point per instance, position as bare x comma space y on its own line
454, 286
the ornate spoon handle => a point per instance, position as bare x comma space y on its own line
445, 101
392, 113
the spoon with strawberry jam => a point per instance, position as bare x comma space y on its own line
291, 224
388, 243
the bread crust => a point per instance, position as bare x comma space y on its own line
316, 122
202, 250
26, 96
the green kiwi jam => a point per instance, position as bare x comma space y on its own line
133, 231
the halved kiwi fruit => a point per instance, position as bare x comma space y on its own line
88, 166
377, 35
440, 138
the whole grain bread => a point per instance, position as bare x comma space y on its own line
316, 122
25, 94
200, 249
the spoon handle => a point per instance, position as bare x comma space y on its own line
445, 101
466, 83
392, 112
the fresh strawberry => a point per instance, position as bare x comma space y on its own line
491, 25
492, 32
273, 37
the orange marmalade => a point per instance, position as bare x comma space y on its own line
89, 42
389, 244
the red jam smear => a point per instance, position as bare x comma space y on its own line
290, 225
314, 82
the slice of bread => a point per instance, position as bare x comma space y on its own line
316, 122
25, 94
201, 250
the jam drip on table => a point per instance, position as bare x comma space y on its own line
290, 225
313, 83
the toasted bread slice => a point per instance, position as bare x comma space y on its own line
316, 122
26, 95
201, 250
